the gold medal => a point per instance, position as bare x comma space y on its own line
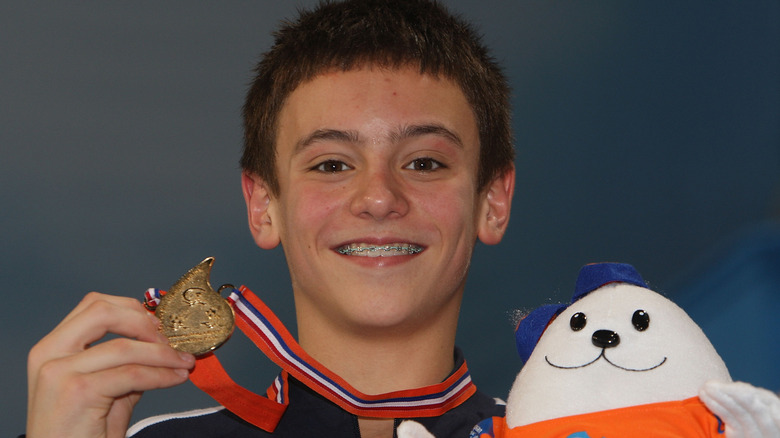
194, 317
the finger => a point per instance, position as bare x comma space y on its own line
91, 297
96, 318
53, 375
124, 351
130, 378
73, 403
118, 418
61, 386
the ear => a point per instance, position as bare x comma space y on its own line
259, 207
496, 204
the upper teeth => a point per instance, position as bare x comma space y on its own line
361, 249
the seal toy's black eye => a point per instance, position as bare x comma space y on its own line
641, 320
578, 321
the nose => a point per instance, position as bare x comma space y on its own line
379, 195
605, 339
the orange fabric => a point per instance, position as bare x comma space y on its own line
684, 418
210, 377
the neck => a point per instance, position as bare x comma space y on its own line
381, 360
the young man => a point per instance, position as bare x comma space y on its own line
377, 151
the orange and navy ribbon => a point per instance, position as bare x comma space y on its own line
262, 326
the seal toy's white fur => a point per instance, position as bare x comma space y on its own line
568, 374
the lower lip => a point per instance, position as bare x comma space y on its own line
382, 261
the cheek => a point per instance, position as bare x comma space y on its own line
308, 208
452, 209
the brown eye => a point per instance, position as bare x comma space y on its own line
641, 320
578, 321
331, 166
424, 164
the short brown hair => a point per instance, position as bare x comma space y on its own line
386, 33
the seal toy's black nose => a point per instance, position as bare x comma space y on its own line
605, 339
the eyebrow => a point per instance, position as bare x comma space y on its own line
411, 131
405, 132
327, 135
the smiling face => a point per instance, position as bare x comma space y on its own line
621, 345
378, 209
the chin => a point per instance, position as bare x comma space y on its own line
387, 318
382, 319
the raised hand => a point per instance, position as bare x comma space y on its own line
80, 387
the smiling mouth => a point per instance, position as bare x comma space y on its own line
369, 250
602, 355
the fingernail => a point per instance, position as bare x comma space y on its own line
182, 372
186, 357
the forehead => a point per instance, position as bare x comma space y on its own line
374, 102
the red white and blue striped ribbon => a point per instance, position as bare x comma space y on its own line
152, 298
262, 326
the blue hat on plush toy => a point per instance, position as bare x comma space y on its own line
591, 277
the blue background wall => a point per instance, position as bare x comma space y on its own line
647, 132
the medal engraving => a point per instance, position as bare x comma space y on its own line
193, 316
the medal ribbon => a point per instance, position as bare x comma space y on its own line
262, 326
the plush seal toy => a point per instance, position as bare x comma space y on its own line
621, 361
